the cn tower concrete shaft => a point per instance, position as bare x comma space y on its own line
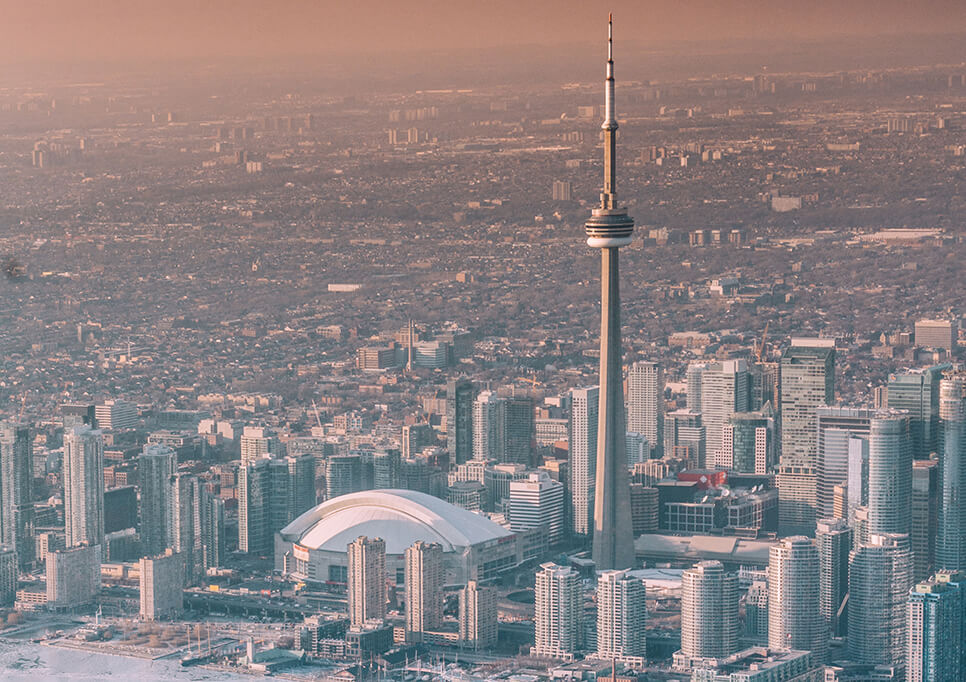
613, 537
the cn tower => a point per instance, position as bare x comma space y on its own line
608, 229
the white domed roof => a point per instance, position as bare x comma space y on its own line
400, 517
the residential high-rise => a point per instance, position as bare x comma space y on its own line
807, 383
84, 486
748, 443
460, 394
794, 570
833, 539
621, 617
645, 404
478, 616
271, 493
213, 550
709, 611
558, 612
608, 229
519, 430
73, 576
254, 489
343, 474
8, 575
951, 536
957, 580
583, 458
934, 620
366, 576
645, 509
684, 437
538, 501
725, 390
489, 426
16, 491
257, 442
385, 469
424, 589
890, 473
924, 516
293, 488
836, 426
879, 582
693, 378
156, 465
162, 586
189, 525
917, 391
756, 613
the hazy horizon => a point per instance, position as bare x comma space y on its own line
114, 30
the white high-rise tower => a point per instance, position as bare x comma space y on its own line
608, 229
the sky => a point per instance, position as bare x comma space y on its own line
107, 30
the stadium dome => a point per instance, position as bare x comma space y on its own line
400, 517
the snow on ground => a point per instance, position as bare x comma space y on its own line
20, 661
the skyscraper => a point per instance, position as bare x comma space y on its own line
424, 589
934, 620
558, 612
807, 383
538, 501
879, 582
709, 611
833, 539
917, 390
836, 425
794, 572
748, 443
924, 516
645, 404
608, 229
478, 615
951, 538
16, 491
519, 430
460, 394
489, 427
84, 486
725, 390
684, 436
156, 465
890, 472
583, 457
621, 617
366, 576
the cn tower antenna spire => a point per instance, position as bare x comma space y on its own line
608, 229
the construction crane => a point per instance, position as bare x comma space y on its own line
316, 408
761, 347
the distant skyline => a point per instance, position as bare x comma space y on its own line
58, 30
